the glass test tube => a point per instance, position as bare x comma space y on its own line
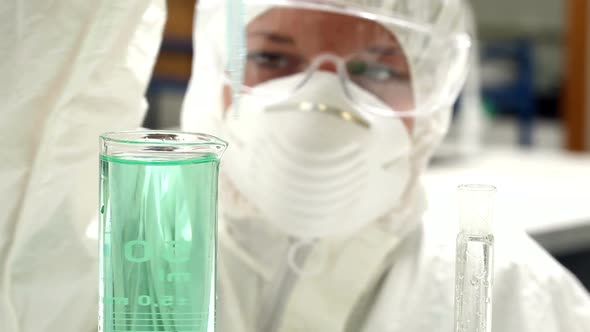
474, 269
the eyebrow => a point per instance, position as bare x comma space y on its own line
274, 37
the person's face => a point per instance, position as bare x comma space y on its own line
284, 41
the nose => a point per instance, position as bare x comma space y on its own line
328, 65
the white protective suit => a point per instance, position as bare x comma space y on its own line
70, 71
396, 274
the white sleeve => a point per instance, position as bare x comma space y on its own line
533, 292
69, 70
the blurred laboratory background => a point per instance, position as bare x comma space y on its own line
522, 122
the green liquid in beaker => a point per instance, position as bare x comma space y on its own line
157, 242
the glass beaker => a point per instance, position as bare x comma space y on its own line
158, 223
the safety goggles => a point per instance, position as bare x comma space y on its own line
412, 65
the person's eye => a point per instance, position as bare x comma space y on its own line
273, 60
376, 72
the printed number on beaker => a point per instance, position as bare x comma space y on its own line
139, 251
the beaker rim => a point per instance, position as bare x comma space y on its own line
156, 137
477, 187
160, 146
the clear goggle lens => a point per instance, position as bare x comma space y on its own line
410, 70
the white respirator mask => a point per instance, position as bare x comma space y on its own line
314, 164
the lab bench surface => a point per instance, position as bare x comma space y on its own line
547, 193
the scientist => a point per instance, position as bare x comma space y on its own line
343, 102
